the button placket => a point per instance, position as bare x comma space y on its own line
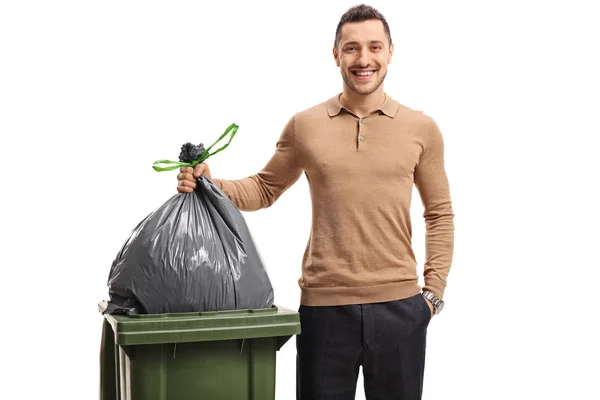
361, 137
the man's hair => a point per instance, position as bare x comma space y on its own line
361, 13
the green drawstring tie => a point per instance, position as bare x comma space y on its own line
171, 165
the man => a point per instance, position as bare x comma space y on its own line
361, 152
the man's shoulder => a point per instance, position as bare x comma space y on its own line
407, 113
316, 111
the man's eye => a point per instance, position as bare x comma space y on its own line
376, 47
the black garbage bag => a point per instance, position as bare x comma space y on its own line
195, 253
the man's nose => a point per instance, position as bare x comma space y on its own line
363, 59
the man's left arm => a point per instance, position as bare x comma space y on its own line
432, 184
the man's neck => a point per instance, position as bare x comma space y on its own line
362, 105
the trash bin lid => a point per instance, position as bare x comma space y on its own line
204, 326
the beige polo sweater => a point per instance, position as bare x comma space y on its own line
361, 174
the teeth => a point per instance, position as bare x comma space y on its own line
366, 73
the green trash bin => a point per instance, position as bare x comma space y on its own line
209, 356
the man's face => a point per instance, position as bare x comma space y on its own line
363, 54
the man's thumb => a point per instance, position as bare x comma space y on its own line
198, 169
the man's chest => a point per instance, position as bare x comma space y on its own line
359, 152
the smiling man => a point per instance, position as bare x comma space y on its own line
362, 152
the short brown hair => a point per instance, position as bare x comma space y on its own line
361, 13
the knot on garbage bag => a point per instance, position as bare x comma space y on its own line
190, 152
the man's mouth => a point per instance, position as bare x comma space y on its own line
363, 75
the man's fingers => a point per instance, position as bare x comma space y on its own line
186, 176
186, 183
184, 189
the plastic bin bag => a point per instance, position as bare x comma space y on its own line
195, 253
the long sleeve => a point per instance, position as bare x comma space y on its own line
261, 190
432, 183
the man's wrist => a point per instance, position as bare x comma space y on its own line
436, 302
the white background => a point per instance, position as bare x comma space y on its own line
92, 93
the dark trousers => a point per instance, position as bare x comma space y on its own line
386, 339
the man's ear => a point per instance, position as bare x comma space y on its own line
336, 56
391, 53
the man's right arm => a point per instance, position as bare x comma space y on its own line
261, 190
